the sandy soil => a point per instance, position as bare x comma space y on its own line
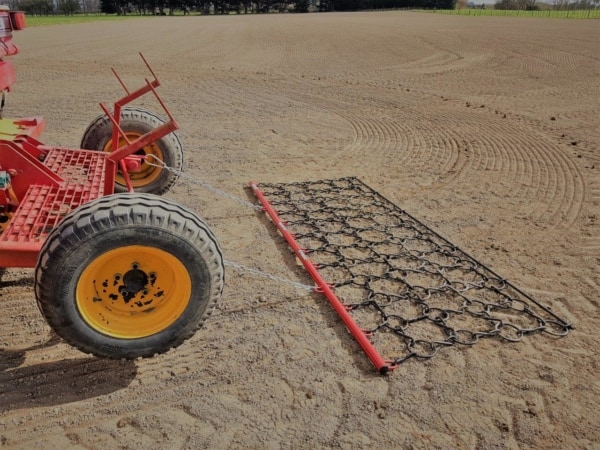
486, 129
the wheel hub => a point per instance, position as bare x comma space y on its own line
143, 174
134, 281
130, 299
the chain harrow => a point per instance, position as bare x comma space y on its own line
408, 288
411, 290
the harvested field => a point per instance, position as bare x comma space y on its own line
486, 129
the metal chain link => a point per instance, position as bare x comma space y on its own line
259, 273
161, 165
236, 266
400, 280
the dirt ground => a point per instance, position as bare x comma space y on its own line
486, 129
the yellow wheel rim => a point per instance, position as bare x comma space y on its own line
147, 173
133, 292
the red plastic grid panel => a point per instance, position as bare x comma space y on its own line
84, 167
43, 207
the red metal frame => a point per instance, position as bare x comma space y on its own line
41, 184
118, 156
325, 288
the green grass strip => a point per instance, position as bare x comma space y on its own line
574, 14
34, 21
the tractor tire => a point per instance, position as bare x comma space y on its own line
128, 276
136, 122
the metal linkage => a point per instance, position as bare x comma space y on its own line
268, 276
152, 160
410, 290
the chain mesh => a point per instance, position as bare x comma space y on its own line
409, 289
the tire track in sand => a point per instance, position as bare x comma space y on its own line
509, 158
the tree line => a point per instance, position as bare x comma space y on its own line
169, 7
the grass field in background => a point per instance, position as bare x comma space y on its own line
33, 21
575, 14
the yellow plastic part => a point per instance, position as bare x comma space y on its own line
10, 129
133, 292
147, 173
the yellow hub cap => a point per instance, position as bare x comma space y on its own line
147, 173
133, 292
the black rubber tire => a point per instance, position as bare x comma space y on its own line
114, 222
138, 120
